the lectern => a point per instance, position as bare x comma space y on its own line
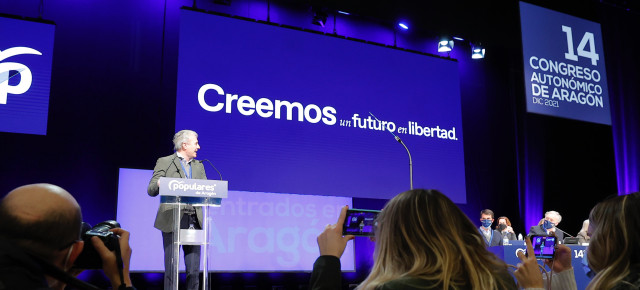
187, 194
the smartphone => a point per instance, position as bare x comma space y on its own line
544, 247
360, 222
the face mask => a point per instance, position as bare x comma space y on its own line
548, 225
486, 223
502, 227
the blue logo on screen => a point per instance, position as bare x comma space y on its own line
10, 70
26, 56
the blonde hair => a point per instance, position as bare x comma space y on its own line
613, 248
412, 242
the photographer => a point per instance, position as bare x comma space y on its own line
412, 252
40, 230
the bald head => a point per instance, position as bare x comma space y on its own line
35, 202
41, 217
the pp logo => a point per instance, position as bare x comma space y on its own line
8, 67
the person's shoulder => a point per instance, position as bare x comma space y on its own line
167, 158
535, 228
409, 283
631, 281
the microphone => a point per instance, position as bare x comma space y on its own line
212, 166
405, 147
557, 228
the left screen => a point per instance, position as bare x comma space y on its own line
26, 54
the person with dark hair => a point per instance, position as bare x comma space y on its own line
40, 230
504, 226
413, 252
613, 252
491, 237
181, 164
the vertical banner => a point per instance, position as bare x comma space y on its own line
26, 54
564, 68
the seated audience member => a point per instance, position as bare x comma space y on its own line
613, 253
423, 241
491, 237
40, 230
583, 235
504, 226
551, 220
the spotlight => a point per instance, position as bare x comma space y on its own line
319, 16
403, 25
445, 44
477, 51
344, 12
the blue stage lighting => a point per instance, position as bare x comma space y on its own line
445, 45
403, 25
477, 52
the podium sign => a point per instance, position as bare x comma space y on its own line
193, 187
191, 196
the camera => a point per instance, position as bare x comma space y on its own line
89, 258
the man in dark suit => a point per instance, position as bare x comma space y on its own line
181, 164
551, 220
491, 237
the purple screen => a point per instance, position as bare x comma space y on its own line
360, 223
26, 53
286, 111
544, 246
251, 231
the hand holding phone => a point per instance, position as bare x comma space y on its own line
360, 222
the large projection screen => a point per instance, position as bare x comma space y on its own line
286, 111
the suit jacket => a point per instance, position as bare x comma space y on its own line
496, 240
169, 166
539, 230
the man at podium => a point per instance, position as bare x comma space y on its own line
181, 164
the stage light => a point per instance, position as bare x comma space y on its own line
477, 51
319, 16
445, 45
458, 38
403, 25
344, 12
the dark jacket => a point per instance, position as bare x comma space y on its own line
326, 275
18, 270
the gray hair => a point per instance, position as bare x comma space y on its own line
553, 212
182, 136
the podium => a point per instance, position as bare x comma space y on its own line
187, 195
